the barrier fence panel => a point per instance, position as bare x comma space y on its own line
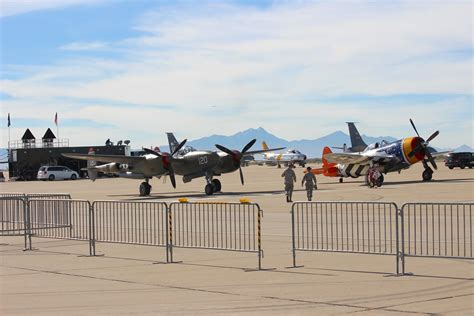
37, 195
139, 223
48, 196
223, 226
350, 227
12, 194
59, 219
439, 230
12, 216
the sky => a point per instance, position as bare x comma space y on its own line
300, 69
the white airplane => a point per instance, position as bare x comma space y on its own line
290, 156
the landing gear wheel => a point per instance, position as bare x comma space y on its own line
341, 180
427, 175
144, 189
379, 181
209, 189
216, 185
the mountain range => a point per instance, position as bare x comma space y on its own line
311, 147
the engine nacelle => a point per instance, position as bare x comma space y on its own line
112, 167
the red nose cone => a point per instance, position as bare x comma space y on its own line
415, 142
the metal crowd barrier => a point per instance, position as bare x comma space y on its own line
36, 195
12, 216
14, 212
222, 226
350, 227
436, 230
59, 219
138, 223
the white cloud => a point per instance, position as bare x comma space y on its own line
15, 7
85, 46
271, 63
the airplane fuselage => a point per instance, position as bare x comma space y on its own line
390, 158
204, 163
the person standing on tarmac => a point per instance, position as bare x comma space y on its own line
290, 178
310, 180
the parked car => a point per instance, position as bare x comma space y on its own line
461, 160
56, 172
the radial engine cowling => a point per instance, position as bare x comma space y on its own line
112, 167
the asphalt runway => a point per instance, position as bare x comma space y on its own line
58, 277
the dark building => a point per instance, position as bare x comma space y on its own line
28, 155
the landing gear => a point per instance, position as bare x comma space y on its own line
212, 186
209, 189
216, 185
427, 174
145, 188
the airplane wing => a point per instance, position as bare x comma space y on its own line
441, 155
253, 152
107, 158
356, 158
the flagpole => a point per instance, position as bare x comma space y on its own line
9, 140
57, 127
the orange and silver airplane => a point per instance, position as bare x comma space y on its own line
387, 157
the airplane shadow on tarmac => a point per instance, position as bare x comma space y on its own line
199, 194
432, 181
362, 183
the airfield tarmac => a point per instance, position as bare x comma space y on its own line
58, 278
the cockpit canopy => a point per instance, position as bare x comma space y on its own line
185, 150
293, 151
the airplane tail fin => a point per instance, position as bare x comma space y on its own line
357, 142
326, 163
173, 143
91, 166
92, 173
264, 146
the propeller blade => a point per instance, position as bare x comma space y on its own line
224, 149
151, 151
241, 175
414, 151
432, 136
250, 144
179, 147
431, 160
413, 124
173, 179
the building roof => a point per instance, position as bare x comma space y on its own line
49, 134
28, 135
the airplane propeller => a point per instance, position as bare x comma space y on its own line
423, 146
167, 160
237, 155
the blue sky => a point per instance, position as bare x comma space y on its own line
137, 69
